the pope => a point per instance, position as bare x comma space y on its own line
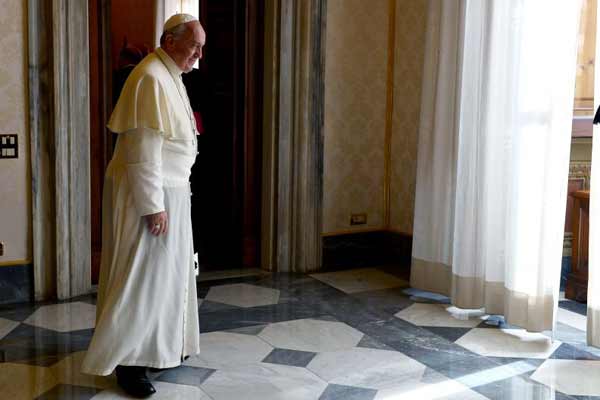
147, 307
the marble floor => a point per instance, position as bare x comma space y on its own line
351, 335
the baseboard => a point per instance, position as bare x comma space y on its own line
16, 284
366, 249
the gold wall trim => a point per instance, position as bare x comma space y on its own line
12, 263
366, 230
351, 231
389, 114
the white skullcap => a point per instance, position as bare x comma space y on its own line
178, 19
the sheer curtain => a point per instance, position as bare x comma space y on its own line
593, 293
494, 154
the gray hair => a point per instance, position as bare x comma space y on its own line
177, 32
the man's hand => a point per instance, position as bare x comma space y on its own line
157, 223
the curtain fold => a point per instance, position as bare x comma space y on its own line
494, 154
593, 293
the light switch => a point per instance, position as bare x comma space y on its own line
9, 146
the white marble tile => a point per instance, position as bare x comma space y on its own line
448, 390
423, 314
223, 350
311, 335
164, 391
367, 368
68, 371
6, 326
442, 389
360, 280
264, 382
65, 317
516, 343
243, 295
20, 381
573, 377
572, 319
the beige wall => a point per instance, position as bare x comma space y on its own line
15, 186
411, 20
356, 73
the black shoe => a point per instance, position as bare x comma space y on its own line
134, 382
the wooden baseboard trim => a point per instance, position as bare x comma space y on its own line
13, 263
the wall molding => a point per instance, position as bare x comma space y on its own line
389, 115
59, 126
367, 249
13, 263
293, 142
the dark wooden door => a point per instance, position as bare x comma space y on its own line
100, 105
227, 91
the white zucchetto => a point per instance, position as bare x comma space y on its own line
178, 19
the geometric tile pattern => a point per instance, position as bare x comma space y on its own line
440, 315
316, 343
64, 317
570, 376
360, 280
293, 358
243, 295
508, 343
311, 335
6, 326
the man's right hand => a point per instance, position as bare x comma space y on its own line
157, 223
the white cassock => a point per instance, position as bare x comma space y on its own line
147, 309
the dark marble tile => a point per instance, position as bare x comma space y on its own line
18, 312
249, 330
69, 392
244, 317
185, 375
339, 392
389, 300
293, 358
37, 346
16, 284
368, 342
569, 352
211, 306
451, 334
574, 306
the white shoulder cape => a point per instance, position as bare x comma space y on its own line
150, 99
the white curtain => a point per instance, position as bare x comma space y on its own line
593, 293
494, 153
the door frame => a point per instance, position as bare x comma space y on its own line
59, 113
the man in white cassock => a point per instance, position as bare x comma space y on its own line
147, 310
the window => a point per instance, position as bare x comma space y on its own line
583, 109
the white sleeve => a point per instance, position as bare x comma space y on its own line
143, 149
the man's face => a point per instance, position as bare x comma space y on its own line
187, 49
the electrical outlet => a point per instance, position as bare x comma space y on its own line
9, 146
1, 249
358, 219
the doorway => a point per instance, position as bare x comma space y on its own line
226, 90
